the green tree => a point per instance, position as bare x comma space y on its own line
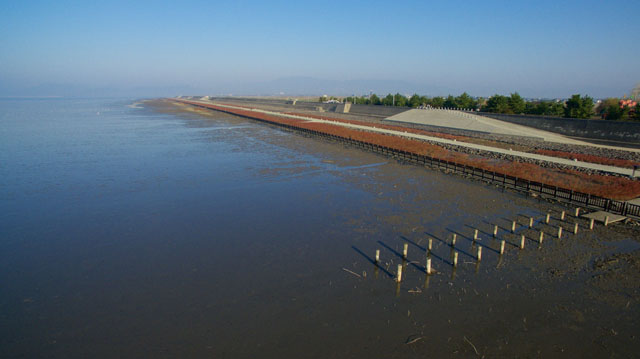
516, 103
498, 104
424, 100
450, 102
374, 100
615, 113
610, 109
554, 108
465, 101
532, 108
415, 101
545, 108
437, 101
388, 100
579, 107
635, 114
401, 101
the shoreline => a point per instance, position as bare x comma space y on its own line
597, 185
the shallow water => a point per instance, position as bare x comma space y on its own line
140, 231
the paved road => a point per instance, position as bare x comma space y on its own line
562, 161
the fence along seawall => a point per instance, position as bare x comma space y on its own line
508, 182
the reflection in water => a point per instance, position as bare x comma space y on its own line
426, 281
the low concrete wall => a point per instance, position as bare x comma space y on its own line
596, 129
343, 107
377, 110
366, 110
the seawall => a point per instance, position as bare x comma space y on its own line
619, 131
623, 133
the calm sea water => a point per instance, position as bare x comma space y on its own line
134, 231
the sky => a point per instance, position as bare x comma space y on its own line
545, 49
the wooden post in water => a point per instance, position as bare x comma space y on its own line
377, 256
430, 246
577, 211
513, 226
453, 240
559, 232
495, 231
475, 235
541, 237
575, 228
426, 281
479, 253
455, 259
530, 222
562, 216
502, 247
546, 220
399, 275
606, 221
428, 266
591, 222
405, 249
522, 242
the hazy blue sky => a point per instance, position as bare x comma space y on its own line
539, 48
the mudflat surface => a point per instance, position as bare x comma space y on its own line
229, 238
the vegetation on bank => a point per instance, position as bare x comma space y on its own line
577, 106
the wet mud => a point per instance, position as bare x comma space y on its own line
290, 272
567, 297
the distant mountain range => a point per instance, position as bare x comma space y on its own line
287, 86
309, 86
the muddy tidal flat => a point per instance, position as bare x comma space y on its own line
146, 229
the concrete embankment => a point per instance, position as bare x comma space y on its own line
615, 133
444, 141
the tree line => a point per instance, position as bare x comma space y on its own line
577, 106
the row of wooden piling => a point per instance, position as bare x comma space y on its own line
428, 267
